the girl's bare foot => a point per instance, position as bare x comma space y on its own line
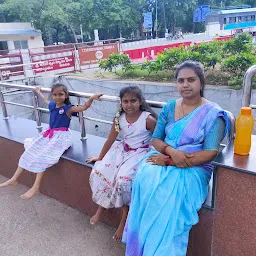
119, 232
97, 216
9, 182
29, 194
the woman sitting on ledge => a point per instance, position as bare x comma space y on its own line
172, 183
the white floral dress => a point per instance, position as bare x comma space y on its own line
111, 178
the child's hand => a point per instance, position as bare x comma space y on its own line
38, 89
92, 159
96, 96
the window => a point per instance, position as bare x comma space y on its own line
253, 18
23, 44
225, 21
3, 45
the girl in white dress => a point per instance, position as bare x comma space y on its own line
115, 167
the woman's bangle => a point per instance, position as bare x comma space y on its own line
164, 148
167, 161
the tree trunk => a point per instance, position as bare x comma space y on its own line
74, 33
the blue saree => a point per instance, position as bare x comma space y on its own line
165, 199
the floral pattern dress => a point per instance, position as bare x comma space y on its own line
111, 178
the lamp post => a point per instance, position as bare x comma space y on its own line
156, 21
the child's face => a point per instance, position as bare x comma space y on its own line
130, 103
59, 96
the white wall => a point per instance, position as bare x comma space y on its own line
212, 29
15, 25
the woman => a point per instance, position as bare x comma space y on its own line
172, 183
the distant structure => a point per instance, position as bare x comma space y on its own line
19, 35
231, 21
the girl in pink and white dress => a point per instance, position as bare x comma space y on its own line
115, 168
45, 150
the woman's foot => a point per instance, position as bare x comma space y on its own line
30, 193
9, 182
119, 232
97, 216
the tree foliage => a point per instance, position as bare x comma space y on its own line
60, 20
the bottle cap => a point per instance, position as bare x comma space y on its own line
246, 111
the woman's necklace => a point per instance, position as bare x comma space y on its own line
182, 107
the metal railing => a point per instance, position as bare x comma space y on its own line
79, 95
31, 64
247, 87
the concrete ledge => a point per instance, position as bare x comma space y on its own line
68, 181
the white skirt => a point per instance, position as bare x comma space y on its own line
111, 178
43, 152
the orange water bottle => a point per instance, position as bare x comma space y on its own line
244, 127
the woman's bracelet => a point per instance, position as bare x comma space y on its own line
164, 148
167, 161
175, 153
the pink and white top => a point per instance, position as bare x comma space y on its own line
135, 134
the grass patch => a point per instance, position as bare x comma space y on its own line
164, 76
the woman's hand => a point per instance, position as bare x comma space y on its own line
181, 159
157, 159
92, 159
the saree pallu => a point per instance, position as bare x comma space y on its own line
165, 199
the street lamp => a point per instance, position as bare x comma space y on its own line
156, 21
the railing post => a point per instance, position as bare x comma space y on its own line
247, 86
36, 111
3, 105
81, 121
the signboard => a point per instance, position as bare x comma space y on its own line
6, 63
93, 54
53, 63
148, 20
201, 12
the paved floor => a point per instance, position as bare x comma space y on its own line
45, 227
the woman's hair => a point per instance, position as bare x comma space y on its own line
64, 88
143, 107
198, 68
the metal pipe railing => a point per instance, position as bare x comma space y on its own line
247, 87
79, 95
21, 71
3, 106
36, 111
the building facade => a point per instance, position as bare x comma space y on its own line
230, 22
19, 35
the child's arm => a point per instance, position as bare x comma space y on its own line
86, 104
44, 99
150, 123
111, 139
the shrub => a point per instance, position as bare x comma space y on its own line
241, 44
209, 54
171, 58
238, 63
236, 82
155, 66
114, 60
